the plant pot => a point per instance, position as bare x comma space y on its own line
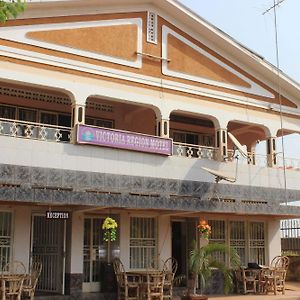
194, 297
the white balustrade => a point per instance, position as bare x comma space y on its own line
36, 131
193, 151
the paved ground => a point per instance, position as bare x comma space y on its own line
292, 293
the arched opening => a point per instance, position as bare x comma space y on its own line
120, 115
193, 135
250, 135
34, 112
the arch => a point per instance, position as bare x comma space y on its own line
247, 133
123, 115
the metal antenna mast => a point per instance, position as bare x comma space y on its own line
275, 5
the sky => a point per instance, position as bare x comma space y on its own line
245, 21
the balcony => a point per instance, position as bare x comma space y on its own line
62, 134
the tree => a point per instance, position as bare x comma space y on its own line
10, 9
202, 261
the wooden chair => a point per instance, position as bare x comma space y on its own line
31, 280
128, 284
14, 267
275, 276
155, 285
247, 280
169, 269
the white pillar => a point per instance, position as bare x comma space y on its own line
273, 240
221, 143
164, 239
22, 230
162, 127
271, 151
76, 261
78, 114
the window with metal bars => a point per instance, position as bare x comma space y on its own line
247, 237
143, 243
5, 237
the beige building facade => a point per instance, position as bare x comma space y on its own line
113, 109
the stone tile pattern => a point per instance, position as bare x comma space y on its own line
58, 186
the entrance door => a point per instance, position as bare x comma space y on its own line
48, 245
94, 251
183, 233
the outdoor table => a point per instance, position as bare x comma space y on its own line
143, 277
9, 284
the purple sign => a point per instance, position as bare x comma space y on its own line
123, 140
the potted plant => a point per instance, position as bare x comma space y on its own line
202, 262
109, 227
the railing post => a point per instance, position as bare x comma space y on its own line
221, 144
162, 127
271, 152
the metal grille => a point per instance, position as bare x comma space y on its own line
218, 231
238, 238
290, 236
48, 247
32, 95
5, 237
257, 242
143, 243
93, 249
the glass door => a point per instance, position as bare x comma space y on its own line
93, 252
98, 274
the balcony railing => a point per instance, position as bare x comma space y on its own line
197, 151
35, 131
54, 133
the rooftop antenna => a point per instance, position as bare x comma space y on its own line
273, 7
219, 175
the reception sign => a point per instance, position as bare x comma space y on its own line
123, 140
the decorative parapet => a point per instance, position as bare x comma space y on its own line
58, 186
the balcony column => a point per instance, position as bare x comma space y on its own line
251, 159
221, 144
78, 114
271, 152
162, 127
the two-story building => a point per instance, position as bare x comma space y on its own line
112, 108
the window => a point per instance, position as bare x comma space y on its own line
5, 237
238, 238
143, 243
100, 122
248, 238
7, 112
192, 138
257, 242
218, 236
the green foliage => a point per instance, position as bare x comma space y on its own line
202, 261
11, 9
